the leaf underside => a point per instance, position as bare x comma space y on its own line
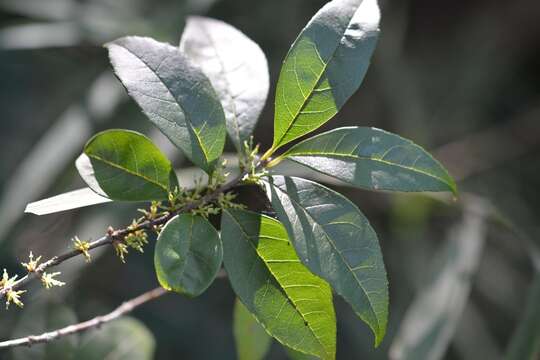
236, 67
372, 159
335, 241
324, 67
292, 304
174, 94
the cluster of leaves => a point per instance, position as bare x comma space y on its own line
215, 83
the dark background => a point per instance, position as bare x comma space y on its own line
460, 78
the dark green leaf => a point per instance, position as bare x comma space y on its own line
292, 304
324, 67
236, 67
373, 159
174, 94
335, 241
125, 165
188, 254
252, 341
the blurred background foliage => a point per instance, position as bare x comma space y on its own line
460, 78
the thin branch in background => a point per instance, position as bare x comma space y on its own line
94, 323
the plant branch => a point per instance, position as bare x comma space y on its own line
118, 235
96, 322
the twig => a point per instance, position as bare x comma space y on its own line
96, 322
119, 235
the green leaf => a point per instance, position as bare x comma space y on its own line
123, 339
373, 159
295, 355
126, 165
324, 67
252, 341
292, 304
188, 254
174, 94
335, 241
236, 67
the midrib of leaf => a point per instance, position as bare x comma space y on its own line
289, 299
190, 240
357, 157
340, 256
130, 172
225, 80
319, 77
199, 141
186, 115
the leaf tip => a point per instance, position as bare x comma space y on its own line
452, 185
379, 338
29, 209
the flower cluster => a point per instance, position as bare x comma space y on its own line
83, 247
12, 296
249, 162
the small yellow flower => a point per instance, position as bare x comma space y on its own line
121, 250
32, 264
13, 296
137, 240
83, 247
4, 280
49, 281
8, 282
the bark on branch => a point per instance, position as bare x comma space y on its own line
94, 323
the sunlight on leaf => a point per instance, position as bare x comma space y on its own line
336, 242
293, 305
252, 341
324, 67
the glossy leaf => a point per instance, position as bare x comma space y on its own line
236, 67
335, 241
324, 67
125, 165
292, 304
252, 341
175, 95
373, 159
188, 254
